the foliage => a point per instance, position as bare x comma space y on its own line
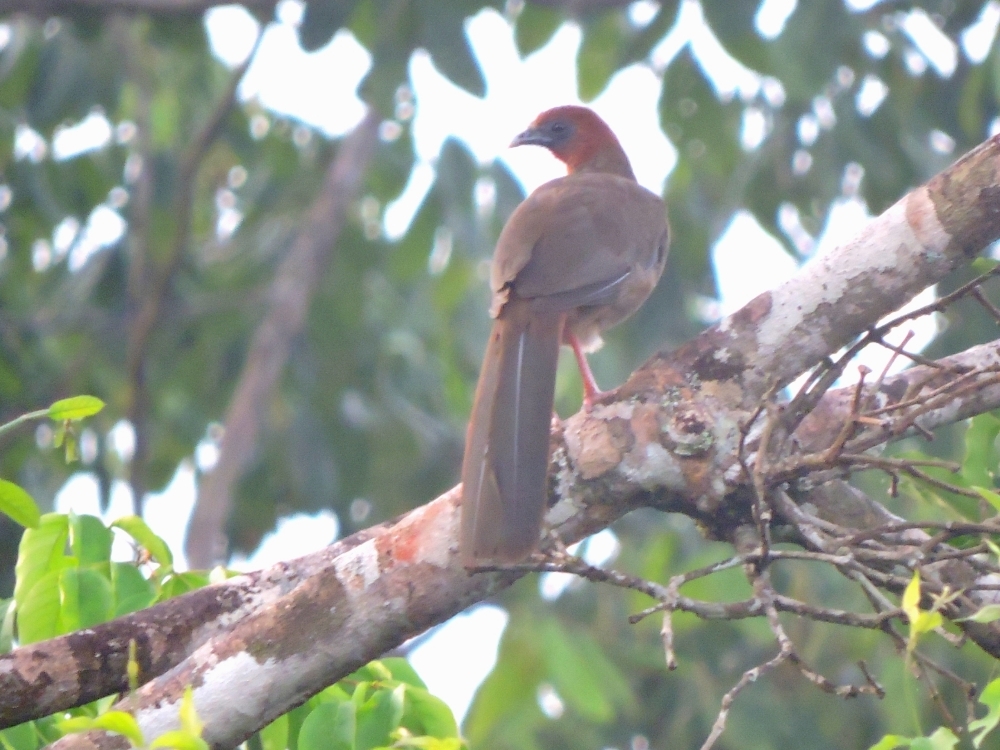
66, 413
381, 705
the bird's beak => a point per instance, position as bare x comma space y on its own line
531, 137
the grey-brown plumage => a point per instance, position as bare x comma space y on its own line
579, 255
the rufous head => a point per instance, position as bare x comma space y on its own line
578, 138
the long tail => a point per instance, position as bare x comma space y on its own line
507, 445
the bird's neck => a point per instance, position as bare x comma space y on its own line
608, 160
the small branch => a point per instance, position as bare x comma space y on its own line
23, 419
990, 307
751, 675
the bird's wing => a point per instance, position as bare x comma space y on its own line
575, 240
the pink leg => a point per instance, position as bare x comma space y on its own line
590, 390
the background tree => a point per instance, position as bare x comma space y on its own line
342, 369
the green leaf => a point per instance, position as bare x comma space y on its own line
571, 676
190, 722
321, 20
990, 698
443, 35
967, 507
426, 714
179, 740
118, 722
72, 447
921, 621
401, 669
42, 549
981, 460
18, 504
942, 739
8, 612
597, 59
983, 265
89, 539
296, 718
275, 735
377, 717
989, 496
374, 671
139, 530
429, 743
329, 726
165, 116
911, 598
38, 613
890, 742
76, 724
77, 407
130, 592
21, 737
181, 583
536, 25
334, 693
989, 613
121, 722
69, 618
93, 597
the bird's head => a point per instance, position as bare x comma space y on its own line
578, 138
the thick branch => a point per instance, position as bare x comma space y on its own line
289, 297
963, 385
915, 243
74, 669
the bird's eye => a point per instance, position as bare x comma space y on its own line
557, 127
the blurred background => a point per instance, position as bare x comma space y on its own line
200, 225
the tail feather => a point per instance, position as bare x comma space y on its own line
507, 446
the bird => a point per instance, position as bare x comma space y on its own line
577, 256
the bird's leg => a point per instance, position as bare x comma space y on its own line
590, 390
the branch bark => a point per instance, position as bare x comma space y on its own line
288, 302
669, 438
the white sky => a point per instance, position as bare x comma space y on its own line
284, 79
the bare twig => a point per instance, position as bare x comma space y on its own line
751, 675
990, 307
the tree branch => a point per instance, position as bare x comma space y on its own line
782, 333
74, 669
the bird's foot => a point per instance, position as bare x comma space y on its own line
591, 396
